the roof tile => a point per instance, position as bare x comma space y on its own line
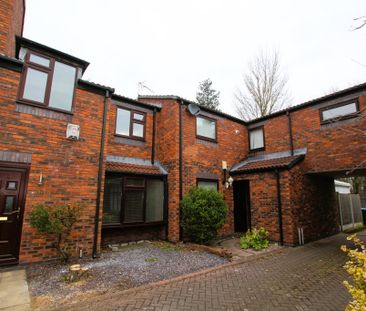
268, 164
133, 168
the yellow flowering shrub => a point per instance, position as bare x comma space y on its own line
356, 267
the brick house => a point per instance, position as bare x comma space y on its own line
129, 162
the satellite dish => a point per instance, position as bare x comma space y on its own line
194, 109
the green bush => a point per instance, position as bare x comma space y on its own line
55, 220
256, 239
203, 213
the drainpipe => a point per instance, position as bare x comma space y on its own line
290, 132
100, 174
180, 167
153, 138
279, 204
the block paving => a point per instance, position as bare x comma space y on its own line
303, 278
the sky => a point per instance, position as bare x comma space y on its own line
172, 45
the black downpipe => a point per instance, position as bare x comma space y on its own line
100, 171
279, 203
290, 132
180, 168
153, 138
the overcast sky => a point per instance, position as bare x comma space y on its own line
173, 45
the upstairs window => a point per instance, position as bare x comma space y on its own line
206, 128
339, 111
130, 123
256, 139
47, 82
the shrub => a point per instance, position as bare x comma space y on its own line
55, 220
356, 267
203, 213
256, 239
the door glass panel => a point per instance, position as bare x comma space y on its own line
134, 206
11, 185
35, 85
112, 201
154, 200
9, 203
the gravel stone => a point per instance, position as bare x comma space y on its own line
129, 267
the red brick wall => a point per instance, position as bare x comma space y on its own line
313, 200
337, 146
264, 204
167, 152
199, 156
143, 150
205, 157
11, 23
69, 168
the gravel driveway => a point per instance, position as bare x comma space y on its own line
132, 266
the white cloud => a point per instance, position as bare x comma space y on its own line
172, 45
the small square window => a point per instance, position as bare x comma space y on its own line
206, 128
11, 185
256, 139
208, 184
138, 116
39, 60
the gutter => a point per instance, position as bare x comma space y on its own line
279, 204
100, 175
153, 138
181, 103
288, 113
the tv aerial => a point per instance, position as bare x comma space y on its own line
141, 87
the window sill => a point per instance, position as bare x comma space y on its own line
131, 138
24, 102
214, 141
256, 150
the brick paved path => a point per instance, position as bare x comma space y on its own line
302, 278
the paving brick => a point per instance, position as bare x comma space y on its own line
304, 278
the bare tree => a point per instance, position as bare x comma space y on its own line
265, 87
362, 22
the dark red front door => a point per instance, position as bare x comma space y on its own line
12, 185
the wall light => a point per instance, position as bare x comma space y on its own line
224, 168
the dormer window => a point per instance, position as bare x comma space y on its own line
47, 82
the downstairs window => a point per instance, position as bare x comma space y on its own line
133, 200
